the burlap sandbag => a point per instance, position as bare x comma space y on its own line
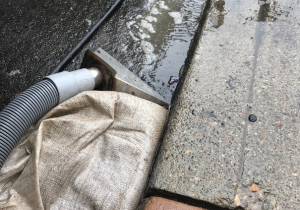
93, 151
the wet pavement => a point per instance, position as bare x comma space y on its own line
151, 38
247, 63
36, 35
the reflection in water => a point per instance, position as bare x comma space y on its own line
263, 11
219, 17
268, 11
152, 38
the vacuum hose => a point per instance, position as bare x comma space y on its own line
36, 101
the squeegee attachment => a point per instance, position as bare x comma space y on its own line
117, 77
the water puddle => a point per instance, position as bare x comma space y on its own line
261, 19
151, 38
218, 12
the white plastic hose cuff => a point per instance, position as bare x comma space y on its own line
70, 84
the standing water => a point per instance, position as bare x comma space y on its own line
151, 38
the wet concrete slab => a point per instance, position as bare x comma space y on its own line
247, 62
36, 35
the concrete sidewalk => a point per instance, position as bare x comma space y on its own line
247, 62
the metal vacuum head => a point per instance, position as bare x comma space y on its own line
117, 77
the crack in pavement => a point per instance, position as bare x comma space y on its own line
258, 40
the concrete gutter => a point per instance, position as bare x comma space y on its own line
247, 62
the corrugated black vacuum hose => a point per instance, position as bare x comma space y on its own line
22, 112
36, 101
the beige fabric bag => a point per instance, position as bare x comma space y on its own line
93, 151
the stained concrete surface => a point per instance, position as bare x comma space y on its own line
247, 62
36, 35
